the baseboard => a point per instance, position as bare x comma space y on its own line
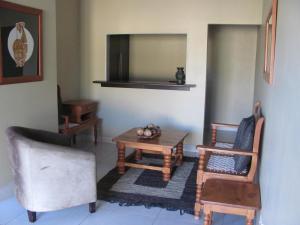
7, 191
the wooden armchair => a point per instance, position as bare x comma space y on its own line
217, 161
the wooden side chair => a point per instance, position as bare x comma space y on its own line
218, 160
71, 125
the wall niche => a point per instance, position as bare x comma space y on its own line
145, 57
145, 60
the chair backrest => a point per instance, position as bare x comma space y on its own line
256, 142
258, 125
60, 106
257, 110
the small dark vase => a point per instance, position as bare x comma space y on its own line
180, 76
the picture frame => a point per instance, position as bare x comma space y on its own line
21, 58
270, 43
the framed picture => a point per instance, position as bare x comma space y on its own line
270, 41
20, 43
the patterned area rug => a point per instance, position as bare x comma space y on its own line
146, 187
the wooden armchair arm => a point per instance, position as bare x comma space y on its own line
203, 149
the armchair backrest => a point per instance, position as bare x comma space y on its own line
258, 125
257, 110
256, 142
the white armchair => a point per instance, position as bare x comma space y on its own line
48, 173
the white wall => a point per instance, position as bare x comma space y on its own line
30, 104
230, 73
124, 108
68, 47
156, 57
279, 173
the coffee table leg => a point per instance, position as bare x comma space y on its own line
138, 154
167, 166
179, 153
121, 158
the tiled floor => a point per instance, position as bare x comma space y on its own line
12, 213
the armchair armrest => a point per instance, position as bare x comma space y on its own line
225, 151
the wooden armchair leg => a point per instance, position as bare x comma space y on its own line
92, 207
31, 216
198, 206
197, 210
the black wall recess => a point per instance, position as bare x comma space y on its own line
118, 55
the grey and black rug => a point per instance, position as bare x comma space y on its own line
146, 187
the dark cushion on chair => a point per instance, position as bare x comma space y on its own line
244, 141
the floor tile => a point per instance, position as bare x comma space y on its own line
234, 220
9, 209
71, 216
12, 213
113, 214
174, 217
218, 219
128, 210
170, 221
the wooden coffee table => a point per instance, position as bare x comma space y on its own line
165, 144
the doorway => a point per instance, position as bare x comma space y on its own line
231, 58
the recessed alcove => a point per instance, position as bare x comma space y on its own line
231, 60
145, 61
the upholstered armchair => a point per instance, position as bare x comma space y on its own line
49, 174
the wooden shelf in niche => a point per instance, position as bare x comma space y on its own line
146, 85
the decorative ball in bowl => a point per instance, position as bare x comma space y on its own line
148, 132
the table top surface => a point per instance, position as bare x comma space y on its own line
168, 138
231, 193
